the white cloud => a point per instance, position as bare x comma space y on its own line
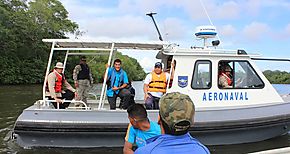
256, 31
227, 30
147, 63
228, 10
118, 27
174, 29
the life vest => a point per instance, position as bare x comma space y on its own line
228, 78
58, 82
157, 84
84, 73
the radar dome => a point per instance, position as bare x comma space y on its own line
205, 32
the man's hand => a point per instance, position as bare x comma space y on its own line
128, 148
76, 84
115, 88
58, 100
146, 96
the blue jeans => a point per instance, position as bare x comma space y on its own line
152, 103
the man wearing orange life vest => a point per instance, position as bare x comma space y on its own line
55, 83
155, 85
225, 79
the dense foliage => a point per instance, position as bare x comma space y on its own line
277, 77
23, 25
98, 66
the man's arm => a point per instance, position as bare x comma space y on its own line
128, 148
172, 70
51, 84
75, 74
68, 86
91, 78
145, 89
145, 86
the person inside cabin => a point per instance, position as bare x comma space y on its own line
155, 85
225, 77
176, 115
83, 80
117, 81
139, 129
54, 88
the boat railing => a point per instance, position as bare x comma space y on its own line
46, 103
208, 51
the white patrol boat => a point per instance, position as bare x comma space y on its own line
249, 110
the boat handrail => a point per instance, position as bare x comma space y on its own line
45, 103
207, 52
270, 59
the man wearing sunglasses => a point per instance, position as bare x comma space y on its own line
140, 128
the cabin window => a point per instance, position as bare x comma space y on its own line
238, 75
201, 75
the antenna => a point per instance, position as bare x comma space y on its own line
151, 15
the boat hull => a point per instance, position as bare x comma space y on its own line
105, 128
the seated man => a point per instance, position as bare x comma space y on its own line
155, 85
54, 87
117, 81
140, 128
225, 77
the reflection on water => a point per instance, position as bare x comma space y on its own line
13, 99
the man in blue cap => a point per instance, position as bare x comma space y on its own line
155, 85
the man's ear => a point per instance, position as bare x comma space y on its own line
159, 121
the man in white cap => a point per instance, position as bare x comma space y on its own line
54, 87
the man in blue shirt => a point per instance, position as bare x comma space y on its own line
117, 82
175, 117
140, 128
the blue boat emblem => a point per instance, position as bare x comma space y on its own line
182, 81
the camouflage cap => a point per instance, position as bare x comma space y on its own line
175, 108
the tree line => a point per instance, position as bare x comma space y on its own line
23, 25
23, 60
277, 77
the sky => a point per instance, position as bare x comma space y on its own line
256, 26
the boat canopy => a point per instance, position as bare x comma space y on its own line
73, 44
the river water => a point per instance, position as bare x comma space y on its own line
13, 99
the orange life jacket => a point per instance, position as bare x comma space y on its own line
228, 78
58, 82
158, 84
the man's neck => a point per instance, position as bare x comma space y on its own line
145, 126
